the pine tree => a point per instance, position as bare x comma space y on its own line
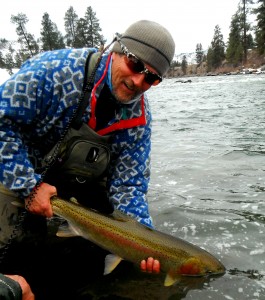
80, 38
246, 38
9, 60
51, 37
70, 25
3, 46
184, 64
95, 38
199, 54
2, 61
240, 38
235, 45
260, 28
209, 59
244, 11
89, 31
217, 50
29, 46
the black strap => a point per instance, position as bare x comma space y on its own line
91, 65
86, 70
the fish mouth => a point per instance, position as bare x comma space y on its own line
217, 273
207, 274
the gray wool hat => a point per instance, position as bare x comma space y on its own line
150, 42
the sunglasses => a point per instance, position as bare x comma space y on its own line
137, 66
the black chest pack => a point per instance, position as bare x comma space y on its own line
82, 155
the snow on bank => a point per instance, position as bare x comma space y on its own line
3, 76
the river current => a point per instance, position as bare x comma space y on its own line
208, 176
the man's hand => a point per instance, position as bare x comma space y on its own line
150, 266
26, 290
39, 200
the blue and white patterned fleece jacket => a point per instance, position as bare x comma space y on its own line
37, 103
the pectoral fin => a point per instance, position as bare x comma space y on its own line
111, 262
171, 279
18, 203
119, 216
66, 230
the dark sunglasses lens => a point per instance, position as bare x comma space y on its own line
135, 65
152, 78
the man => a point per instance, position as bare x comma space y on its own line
38, 104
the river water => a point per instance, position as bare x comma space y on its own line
208, 176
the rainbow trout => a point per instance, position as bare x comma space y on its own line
127, 239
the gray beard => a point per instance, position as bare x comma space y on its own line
134, 99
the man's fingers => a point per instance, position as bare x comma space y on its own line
156, 266
143, 265
149, 264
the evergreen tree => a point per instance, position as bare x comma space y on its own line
199, 54
80, 38
260, 28
217, 50
94, 36
51, 37
6, 55
243, 11
89, 31
29, 46
2, 60
184, 64
209, 59
240, 38
70, 25
235, 47
3, 46
9, 61
174, 64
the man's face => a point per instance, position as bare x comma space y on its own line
126, 84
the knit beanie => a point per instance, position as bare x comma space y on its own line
150, 42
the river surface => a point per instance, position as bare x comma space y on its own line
208, 176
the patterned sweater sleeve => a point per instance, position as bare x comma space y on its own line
16, 172
130, 173
35, 106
